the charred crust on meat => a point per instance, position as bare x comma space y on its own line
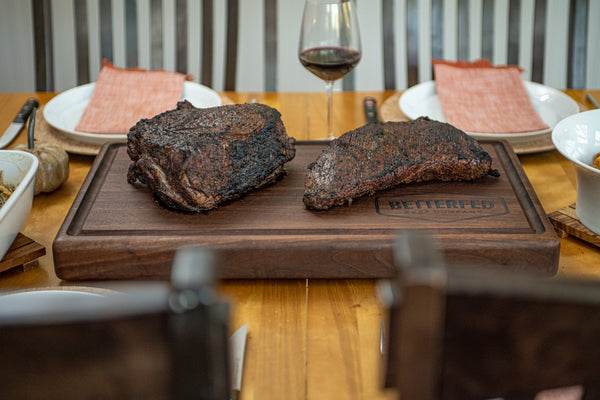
195, 159
379, 156
494, 172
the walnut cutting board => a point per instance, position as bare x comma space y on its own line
115, 230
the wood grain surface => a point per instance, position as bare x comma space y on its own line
271, 307
567, 223
269, 233
23, 253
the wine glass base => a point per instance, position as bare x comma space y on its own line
325, 139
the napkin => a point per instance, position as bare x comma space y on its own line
124, 96
479, 97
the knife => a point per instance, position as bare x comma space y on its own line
592, 100
370, 105
15, 127
237, 343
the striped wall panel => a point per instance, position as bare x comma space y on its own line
592, 72
547, 38
291, 75
251, 45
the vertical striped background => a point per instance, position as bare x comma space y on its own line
251, 45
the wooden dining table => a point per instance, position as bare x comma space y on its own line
307, 338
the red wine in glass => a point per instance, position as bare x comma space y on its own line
329, 63
329, 45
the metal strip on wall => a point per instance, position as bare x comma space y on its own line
131, 34
475, 29
487, 30
592, 73
463, 29
437, 29
539, 35
231, 44
194, 38
349, 81
400, 33
169, 32
270, 38
526, 11
181, 36
424, 23
389, 62
369, 72
81, 41
576, 67
106, 39
44, 63
514, 31
556, 47
119, 36
156, 30
251, 46
501, 18
412, 42
207, 42
95, 58
144, 33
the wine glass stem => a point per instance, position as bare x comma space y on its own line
329, 110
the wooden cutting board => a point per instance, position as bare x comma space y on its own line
115, 230
23, 253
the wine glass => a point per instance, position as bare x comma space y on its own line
329, 44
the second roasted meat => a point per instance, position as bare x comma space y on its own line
379, 156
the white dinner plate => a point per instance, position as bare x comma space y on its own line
77, 303
552, 105
64, 111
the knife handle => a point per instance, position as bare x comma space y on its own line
370, 105
26, 110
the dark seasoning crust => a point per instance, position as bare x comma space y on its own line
195, 159
379, 156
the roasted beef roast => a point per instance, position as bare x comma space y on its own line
195, 159
378, 156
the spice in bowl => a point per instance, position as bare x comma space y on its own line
596, 162
5, 191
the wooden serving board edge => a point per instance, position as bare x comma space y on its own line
283, 257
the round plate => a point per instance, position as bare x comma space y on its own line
47, 303
79, 303
578, 139
552, 105
64, 111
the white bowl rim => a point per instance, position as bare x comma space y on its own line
560, 126
23, 184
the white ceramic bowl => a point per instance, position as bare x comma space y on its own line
18, 168
578, 138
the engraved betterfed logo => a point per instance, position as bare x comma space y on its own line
441, 207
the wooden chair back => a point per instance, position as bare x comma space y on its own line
469, 333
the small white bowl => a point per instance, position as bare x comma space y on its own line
578, 138
18, 168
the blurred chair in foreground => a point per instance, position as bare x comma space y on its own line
468, 333
144, 340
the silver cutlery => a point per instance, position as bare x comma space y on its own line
592, 100
15, 127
